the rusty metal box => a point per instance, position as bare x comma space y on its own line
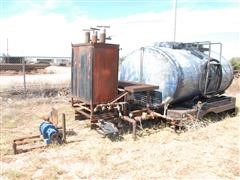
94, 74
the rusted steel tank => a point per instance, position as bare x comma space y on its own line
94, 75
179, 70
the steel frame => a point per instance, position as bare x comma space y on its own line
174, 116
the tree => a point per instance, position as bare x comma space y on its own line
235, 61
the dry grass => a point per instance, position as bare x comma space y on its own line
209, 152
234, 89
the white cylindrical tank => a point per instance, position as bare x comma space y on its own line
179, 73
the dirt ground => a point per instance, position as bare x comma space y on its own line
211, 152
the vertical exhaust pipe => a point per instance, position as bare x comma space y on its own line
103, 36
87, 37
94, 37
103, 33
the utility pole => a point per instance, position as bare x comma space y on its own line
7, 46
175, 21
7, 59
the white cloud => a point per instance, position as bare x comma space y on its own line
34, 33
215, 25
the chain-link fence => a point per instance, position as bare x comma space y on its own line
34, 76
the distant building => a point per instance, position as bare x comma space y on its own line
13, 59
55, 61
45, 61
62, 62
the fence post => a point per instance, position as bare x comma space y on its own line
24, 75
64, 127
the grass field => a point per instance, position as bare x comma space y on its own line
211, 152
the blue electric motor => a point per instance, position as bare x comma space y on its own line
50, 133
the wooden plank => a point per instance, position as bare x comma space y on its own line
30, 137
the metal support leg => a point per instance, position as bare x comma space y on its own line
134, 124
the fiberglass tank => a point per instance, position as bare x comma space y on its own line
180, 71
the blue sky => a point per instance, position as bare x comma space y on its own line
47, 28
106, 8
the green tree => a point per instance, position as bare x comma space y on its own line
235, 61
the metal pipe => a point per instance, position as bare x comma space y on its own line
94, 37
175, 21
87, 37
83, 113
103, 33
137, 112
121, 90
85, 108
220, 54
102, 36
119, 97
155, 114
141, 65
64, 127
134, 124
208, 64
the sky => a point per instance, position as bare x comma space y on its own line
47, 28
